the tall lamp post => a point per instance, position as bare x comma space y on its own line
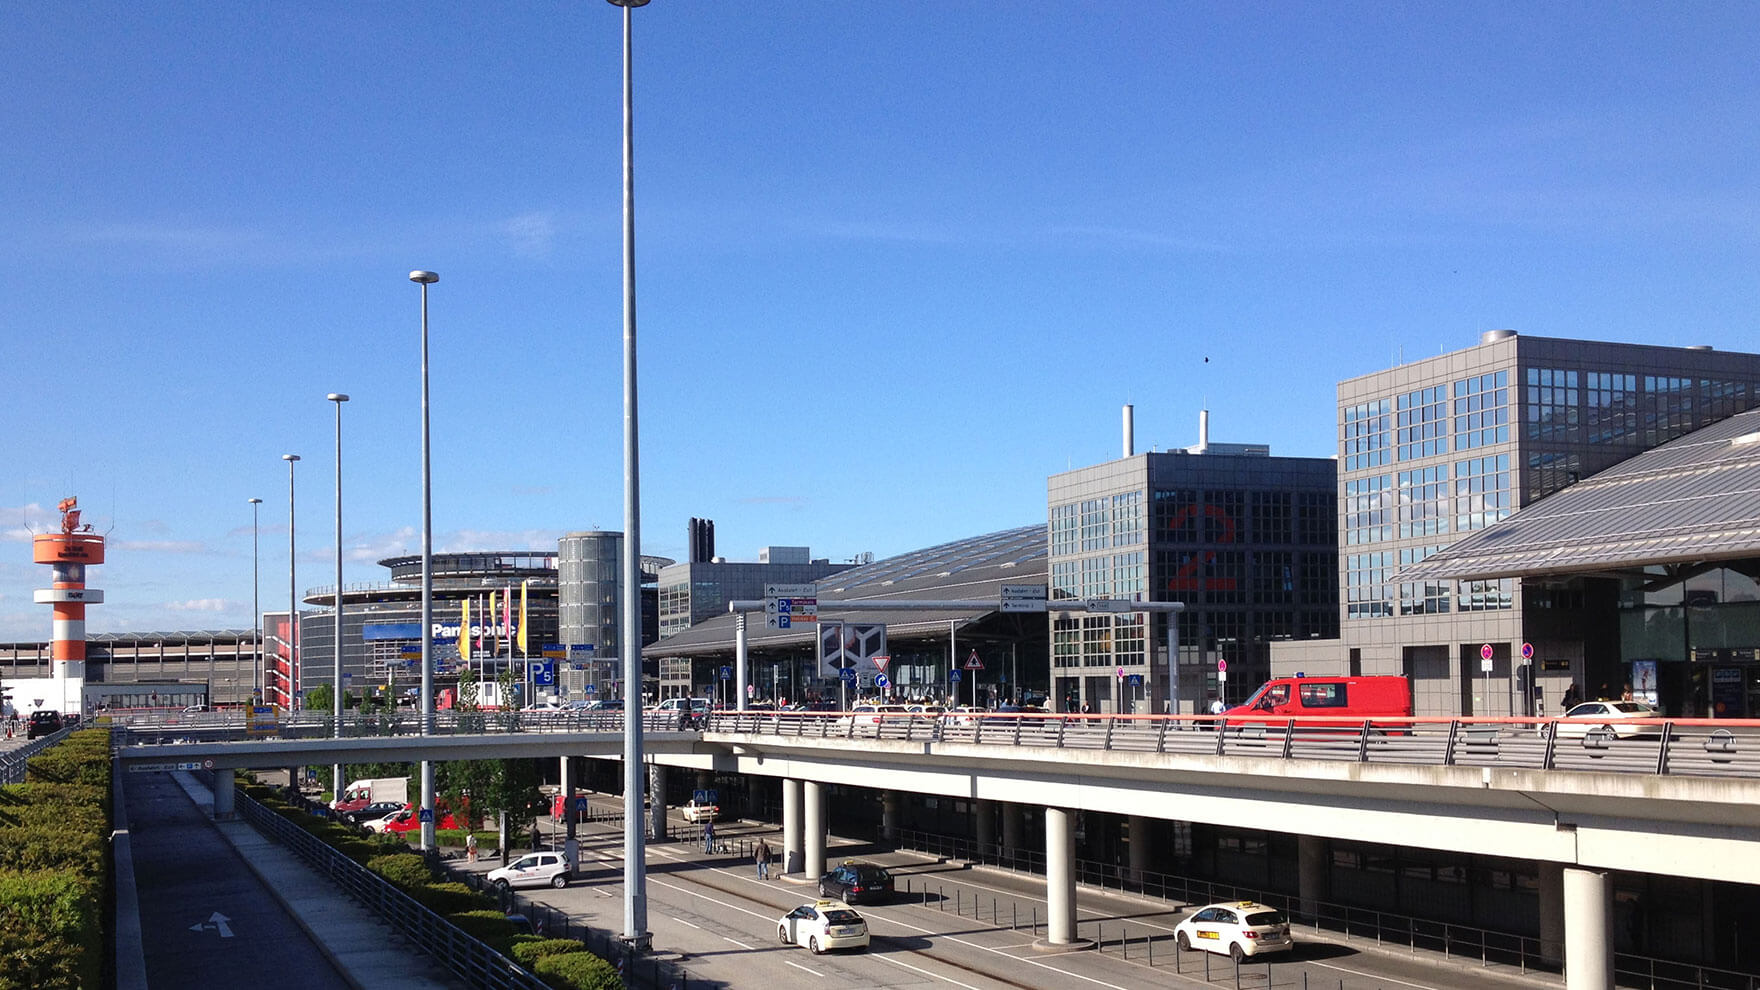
635, 879
425, 279
256, 610
292, 598
336, 603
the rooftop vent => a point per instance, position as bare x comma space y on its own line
1493, 336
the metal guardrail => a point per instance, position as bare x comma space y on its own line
476, 963
1676, 747
13, 763
1672, 747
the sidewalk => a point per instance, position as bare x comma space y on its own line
370, 954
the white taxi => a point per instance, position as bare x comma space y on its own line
1237, 929
823, 925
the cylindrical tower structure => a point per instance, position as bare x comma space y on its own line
69, 553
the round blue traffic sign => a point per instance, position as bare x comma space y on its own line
880, 680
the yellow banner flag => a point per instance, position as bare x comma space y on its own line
494, 630
464, 632
522, 617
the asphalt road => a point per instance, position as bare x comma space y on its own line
956, 927
206, 920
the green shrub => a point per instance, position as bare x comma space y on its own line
26, 848
578, 971
404, 870
450, 898
488, 926
49, 930
528, 949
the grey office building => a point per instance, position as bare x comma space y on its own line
1246, 540
1433, 450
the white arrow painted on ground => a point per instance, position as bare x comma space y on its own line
216, 921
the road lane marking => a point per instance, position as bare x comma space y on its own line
896, 962
805, 969
688, 924
735, 941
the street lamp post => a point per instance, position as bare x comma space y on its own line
292, 598
336, 603
256, 609
635, 880
425, 279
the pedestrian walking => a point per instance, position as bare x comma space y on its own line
470, 847
709, 837
763, 858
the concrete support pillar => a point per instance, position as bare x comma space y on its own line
985, 813
1013, 824
791, 826
1137, 834
1060, 876
1588, 938
571, 846
1552, 914
813, 828
223, 805
891, 809
1312, 873
656, 803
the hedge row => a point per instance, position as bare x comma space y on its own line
561, 963
55, 867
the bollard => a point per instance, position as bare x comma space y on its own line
1014, 916
941, 895
1125, 944
959, 906
993, 910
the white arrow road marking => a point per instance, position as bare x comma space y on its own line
216, 921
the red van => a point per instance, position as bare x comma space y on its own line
1348, 698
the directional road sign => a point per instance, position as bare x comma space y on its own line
1023, 598
787, 604
880, 680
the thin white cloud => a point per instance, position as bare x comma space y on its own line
160, 546
200, 605
488, 539
531, 234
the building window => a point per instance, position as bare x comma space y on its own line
1487, 596
1368, 509
1174, 513
1365, 443
1423, 502
1668, 408
1481, 411
1366, 594
1548, 472
1272, 518
1130, 576
1095, 523
1725, 399
1423, 423
1064, 580
1481, 492
1612, 408
1424, 597
1063, 530
1127, 640
1127, 519
1553, 401
1066, 642
1096, 577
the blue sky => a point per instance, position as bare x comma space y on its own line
898, 261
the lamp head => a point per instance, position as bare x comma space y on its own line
290, 458
630, 3
428, 278
255, 501
337, 397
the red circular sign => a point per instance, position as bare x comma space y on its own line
1527, 651
1222, 665
1485, 652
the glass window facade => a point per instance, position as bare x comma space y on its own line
1423, 423
1481, 410
1367, 432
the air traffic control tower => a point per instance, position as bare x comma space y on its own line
69, 553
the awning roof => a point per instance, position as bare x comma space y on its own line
1695, 499
972, 568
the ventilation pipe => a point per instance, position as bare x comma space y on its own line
1130, 444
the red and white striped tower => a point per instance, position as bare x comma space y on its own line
69, 552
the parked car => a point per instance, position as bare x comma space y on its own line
44, 723
1616, 718
696, 813
855, 882
371, 812
823, 925
1237, 929
532, 870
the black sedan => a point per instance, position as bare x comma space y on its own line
372, 812
854, 883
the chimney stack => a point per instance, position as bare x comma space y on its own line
1130, 442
